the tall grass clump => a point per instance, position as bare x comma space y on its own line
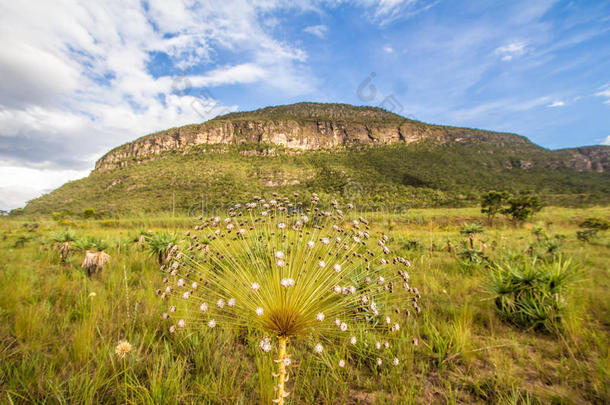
531, 293
292, 274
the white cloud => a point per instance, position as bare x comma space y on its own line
498, 107
388, 49
510, 51
606, 141
19, 184
604, 91
385, 12
317, 30
557, 103
76, 79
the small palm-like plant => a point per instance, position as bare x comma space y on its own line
158, 245
63, 243
531, 293
471, 230
95, 258
290, 274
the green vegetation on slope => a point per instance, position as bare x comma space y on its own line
392, 177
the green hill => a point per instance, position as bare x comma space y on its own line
362, 154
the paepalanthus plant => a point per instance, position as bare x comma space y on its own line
290, 272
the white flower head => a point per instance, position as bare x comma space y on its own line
396, 362
338, 322
325, 241
395, 327
255, 286
338, 289
353, 340
280, 263
379, 362
281, 225
341, 363
231, 302
172, 329
318, 348
180, 282
194, 285
343, 326
212, 324
320, 316
172, 308
310, 244
356, 239
259, 311
388, 320
265, 344
287, 282
181, 323
378, 345
321, 264
203, 307
186, 295
123, 348
279, 255
220, 303
337, 267
287, 361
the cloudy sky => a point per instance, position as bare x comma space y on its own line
80, 77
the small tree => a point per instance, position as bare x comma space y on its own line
89, 213
492, 203
522, 207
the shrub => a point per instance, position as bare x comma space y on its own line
531, 293
592, 226
89, 213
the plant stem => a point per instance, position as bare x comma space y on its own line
281, 391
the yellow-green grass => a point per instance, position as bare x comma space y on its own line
57, 343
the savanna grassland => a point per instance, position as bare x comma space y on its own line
58, 339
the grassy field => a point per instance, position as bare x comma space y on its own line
57, 343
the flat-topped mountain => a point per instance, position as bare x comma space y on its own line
305, 126
364, 154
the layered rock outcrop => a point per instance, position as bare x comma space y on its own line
312, 126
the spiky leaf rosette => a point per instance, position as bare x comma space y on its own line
317, 274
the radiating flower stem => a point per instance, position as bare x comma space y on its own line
281, 389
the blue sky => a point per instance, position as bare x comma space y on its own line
79, 78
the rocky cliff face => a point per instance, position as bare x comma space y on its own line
312, 126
